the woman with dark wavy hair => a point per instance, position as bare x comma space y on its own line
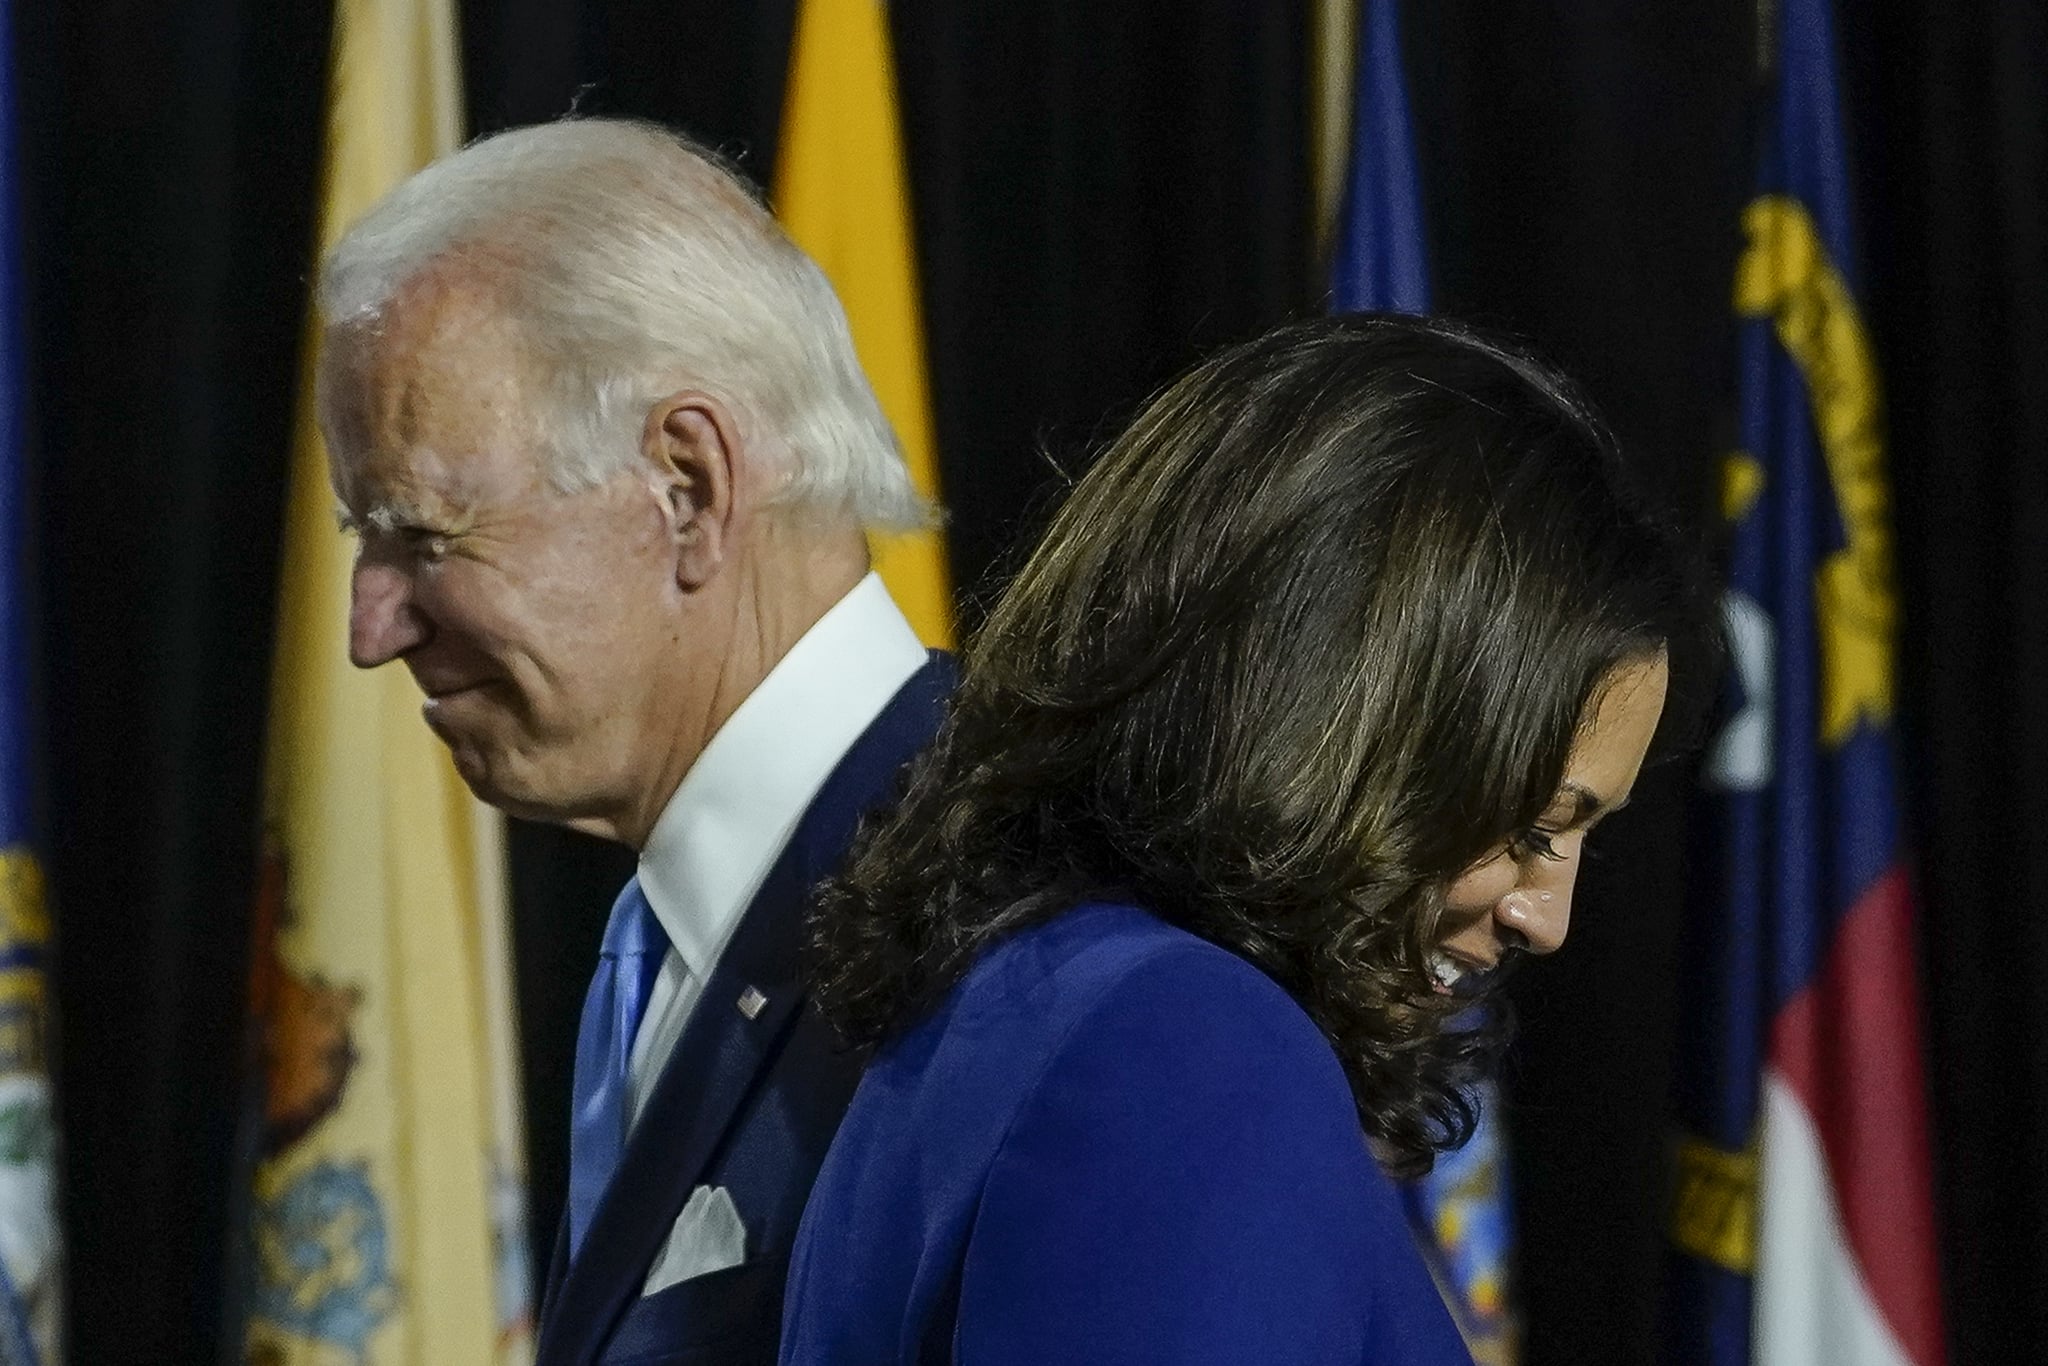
1288, 734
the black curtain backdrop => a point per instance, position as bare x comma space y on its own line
1954, 148
169, 201
1103, 191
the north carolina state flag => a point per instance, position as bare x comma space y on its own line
1803, 1217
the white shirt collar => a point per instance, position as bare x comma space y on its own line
715, 841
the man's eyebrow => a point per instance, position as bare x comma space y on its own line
388, 515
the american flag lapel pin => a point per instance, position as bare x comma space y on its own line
751, 1001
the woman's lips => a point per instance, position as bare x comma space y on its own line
1449, 971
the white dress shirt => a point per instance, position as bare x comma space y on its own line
721, 832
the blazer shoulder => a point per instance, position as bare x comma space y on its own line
1190, 1140
1112, 991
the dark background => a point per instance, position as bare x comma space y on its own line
1104, 189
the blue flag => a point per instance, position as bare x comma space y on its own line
28, 1230
1802, 1217
1381, 258
1461, 1210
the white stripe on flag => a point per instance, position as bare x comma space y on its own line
1812, 1306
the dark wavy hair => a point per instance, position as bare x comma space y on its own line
1314, 635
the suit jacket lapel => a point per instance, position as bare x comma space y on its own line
720, 1058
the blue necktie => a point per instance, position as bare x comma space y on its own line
628, 963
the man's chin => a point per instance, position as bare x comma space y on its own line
471, 766
479, 768
504, 767
496, 782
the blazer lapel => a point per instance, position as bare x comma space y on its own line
753, 997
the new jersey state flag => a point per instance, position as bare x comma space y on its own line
1802, 1216
389, 1205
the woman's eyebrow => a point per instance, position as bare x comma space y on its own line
1586, 803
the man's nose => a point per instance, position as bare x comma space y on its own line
1541, 916
383, 620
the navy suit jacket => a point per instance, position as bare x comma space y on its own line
1113, 1142
749, 1104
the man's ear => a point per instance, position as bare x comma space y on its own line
693, 445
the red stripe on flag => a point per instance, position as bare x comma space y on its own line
1850, 1047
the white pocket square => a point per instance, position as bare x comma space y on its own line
708, 1236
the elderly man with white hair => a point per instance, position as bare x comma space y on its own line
600, 429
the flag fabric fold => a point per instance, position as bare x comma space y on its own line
842, 192
389, 1203
1380, 258
1379, 261
1803, 1213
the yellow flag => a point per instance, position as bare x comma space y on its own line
840, 190
389, 1219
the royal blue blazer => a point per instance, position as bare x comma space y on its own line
747, 1102
1112, 1142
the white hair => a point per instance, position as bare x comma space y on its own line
630, 261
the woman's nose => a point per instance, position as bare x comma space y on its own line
1540, 917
